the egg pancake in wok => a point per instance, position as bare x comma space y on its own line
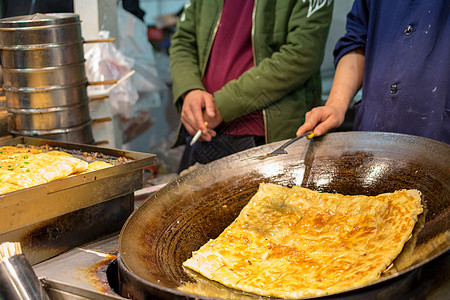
296, 242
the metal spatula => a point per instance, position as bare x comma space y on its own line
281, 149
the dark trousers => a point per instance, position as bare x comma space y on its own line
220, 146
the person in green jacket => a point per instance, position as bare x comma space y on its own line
245, 72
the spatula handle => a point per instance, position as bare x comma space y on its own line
295, 139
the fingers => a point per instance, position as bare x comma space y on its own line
199, 110
312, 118
210, 107
209, 115
320, 120
207, 135
192, 111
323, 127
213, 122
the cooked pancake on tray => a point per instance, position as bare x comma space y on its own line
25, 167
296, 242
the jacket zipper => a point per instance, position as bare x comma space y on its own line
254, 62
211, 41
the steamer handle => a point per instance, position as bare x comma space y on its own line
106, 82
100, 41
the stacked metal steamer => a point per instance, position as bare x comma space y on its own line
44, 77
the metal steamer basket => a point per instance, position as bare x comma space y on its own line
44, 77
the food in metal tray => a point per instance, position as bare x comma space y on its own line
296, 242
22, 167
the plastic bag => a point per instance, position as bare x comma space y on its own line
133, 42
103, 63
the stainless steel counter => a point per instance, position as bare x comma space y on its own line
81, 272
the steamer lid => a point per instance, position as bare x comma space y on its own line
39, 20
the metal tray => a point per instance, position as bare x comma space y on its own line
48, 217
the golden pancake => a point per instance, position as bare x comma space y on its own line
98, 165
6, 187
26, 167
295, 242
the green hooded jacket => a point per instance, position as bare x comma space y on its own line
288, 38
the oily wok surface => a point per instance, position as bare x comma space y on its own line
198, 206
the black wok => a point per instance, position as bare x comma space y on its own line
196, 207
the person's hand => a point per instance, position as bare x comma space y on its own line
198, 108
213, 121
346, 83
321, 119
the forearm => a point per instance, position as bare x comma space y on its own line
347, 80
346, 83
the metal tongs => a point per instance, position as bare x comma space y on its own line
282, 148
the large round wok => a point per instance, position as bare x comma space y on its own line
186, 213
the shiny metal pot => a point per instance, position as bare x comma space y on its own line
39, 29
58, 117
45, 97
81, 134
38, 56
45, 77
